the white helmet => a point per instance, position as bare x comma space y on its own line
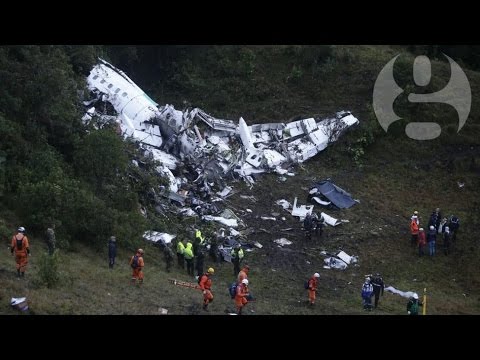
415, 296
317, 275
432, 227
21, 229
245, 281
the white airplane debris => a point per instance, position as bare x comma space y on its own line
268, 218
321, 202
330, 220
257, 244
302, 210
282, 242
156, 236
221, 220
169, 134
283, 203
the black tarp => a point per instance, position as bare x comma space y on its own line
336, 195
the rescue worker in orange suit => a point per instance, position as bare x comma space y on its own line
137, 264
206, 287
312, 288
22, 250
241, 296
243, 274
414, 231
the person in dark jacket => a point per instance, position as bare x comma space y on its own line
308, 226
454, 224
168, 254
112, 251
50, 239
199, 260
378, 287
237, 257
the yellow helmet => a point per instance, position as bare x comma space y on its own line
210, 270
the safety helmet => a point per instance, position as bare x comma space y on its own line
317, 275
421, 229
447, 229
210, 270
415, 296
432, 227
140, 251
113, 238
245, 281
367, 280
21, 229
415, 212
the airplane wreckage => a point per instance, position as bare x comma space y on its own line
212, 149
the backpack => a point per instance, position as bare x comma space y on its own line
306, 284
134, 264
232, 289
20, 244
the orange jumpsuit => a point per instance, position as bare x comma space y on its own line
22, 248
206, 286
240, 297
243, 274
138, 271
312, 287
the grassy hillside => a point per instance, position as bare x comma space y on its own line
390, 174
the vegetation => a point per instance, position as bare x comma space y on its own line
55, 169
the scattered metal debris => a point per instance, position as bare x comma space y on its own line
282, 242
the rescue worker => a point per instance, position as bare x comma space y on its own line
241, 296
312, 288
50, 239
414, 230
378, 287
413, 304
243, 274
431, 239
198, 235
415, 217
168, 254
180, 252
206, 287
188, 255
454, 225
318, 224
422, 241
137, 264
308, 226
367, 292
112, 251
21, 247
237, 257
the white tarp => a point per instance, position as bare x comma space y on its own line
406, 294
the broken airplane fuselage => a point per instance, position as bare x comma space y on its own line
224, 147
